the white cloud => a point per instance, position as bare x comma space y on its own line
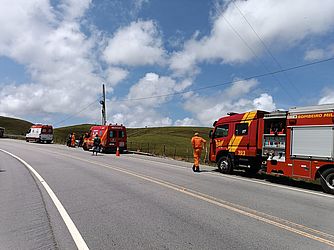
233, 99
319, 54
139, 3
116, 75
264, 102
186, 122
280, 24
140, 111
155, 85
136, 45
55, 53
73, 9
328, 97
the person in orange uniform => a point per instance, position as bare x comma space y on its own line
73, 140
198, 143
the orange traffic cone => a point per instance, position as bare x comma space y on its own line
117, 152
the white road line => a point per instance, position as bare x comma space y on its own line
79, 241
240, 178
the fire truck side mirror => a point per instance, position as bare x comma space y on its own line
210, 134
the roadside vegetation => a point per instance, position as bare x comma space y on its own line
163, 141
14, 128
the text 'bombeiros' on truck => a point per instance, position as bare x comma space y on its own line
40, 133
297, 143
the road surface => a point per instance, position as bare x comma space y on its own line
140, 202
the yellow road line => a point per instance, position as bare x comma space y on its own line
221, 203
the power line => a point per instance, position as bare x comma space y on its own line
263, 43
76, 113
231, 82
251, 50
202, 88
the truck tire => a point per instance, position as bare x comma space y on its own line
225, 165
328, 175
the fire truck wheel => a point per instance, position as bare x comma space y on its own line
328, 174
225, 165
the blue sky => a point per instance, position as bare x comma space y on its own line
160, 60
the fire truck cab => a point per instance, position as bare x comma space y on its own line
112, 137
236, 143
40, 133
297, 143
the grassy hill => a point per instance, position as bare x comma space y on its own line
60, 134
168, 141
14, 126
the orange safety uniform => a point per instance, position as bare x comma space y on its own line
198, 144
73, 140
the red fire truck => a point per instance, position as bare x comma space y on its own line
298, 143
40, 133
112, 136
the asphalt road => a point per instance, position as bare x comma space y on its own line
139, 202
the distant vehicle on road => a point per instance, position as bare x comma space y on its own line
112, 137
2, 131
40, 133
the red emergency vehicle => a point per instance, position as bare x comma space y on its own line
112, 136
40, 133
298, 143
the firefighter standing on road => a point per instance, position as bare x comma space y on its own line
73, 140
198, 143
97, 143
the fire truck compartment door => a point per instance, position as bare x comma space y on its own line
312, 142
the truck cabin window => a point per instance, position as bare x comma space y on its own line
221, 131
112, 134
241, 129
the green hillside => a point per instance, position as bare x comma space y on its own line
60, 134
169, 141
14, 126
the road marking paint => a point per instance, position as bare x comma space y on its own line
272, 220
240, 178
79, 241
225, 176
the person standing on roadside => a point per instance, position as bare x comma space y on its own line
198, 144
96, 144
73, 140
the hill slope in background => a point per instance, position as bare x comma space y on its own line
160, 135
60, 134
14, 126
168, 141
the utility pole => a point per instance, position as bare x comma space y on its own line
103, 103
